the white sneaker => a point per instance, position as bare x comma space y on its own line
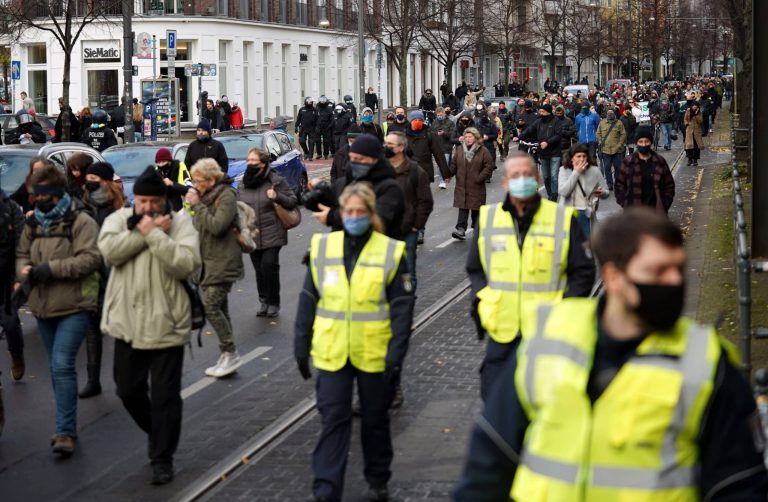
442, 185
211, 372
229, 365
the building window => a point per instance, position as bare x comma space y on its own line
103, 89
322, 57
266, 51
37, 76
247, 56
182, 50
264, 14
340, 70
37, 54
283, 14
522, 18
222, 68
286, 55
222, 7
301, 12
304, 70
244, 12
339, 14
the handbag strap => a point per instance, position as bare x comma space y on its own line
602, 143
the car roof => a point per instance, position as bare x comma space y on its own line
243, 132
148, 144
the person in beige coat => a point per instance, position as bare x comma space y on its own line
57, 260
694, 142
152, 251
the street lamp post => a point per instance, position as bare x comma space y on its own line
127, 71
361, 53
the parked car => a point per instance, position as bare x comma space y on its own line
47, 123
573, 89
285, 160
131, 159
14, 160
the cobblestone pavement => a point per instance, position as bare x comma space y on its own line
430, 432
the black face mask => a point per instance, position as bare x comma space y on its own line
92, 186
660, 306
45, 205
388, 152
254, 175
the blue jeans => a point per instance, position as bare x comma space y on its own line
550, 169
666, 134
410, 255
62, 337
611, 163
583, 220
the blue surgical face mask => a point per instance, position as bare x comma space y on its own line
359, 170
644, 149
357, 226
367, 119
523, 187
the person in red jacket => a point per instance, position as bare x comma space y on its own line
236, 117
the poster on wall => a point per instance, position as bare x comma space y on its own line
161, 98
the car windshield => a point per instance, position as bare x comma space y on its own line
13, 169
131, 162
237, 146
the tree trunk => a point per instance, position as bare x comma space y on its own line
66, 132
403, 72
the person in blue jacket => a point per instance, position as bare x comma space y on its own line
586, 125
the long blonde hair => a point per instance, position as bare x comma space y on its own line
364, 191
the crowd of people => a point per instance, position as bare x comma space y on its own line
87, 265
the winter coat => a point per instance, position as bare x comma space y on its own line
471, 99
74, 126
146, 304
418, 195
546, 131
390, 200
471, 177
448, 128
271, 231
628, 187
226, 113
215, 117
630, 126
324, 118
214, 219
569, 191
567, 132
236, 118
452, 102
371, 101
31, 128
340, 164
424, 145
693, 129
612, 143
428, 103
373, 129
70, 250
208, 149
99, 139
341, 124
586, 125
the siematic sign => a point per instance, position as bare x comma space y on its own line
101, 51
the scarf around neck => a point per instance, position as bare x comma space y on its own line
46, 220
469, 153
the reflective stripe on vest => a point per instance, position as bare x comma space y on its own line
518, 280
352, 315
563, 349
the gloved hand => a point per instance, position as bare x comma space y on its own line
40, 273
392, 373
476, 318
303, 364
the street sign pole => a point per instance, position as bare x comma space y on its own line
170, 47
15, 75
128, 134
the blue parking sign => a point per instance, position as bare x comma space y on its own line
15, 70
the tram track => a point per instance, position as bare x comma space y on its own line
250, 452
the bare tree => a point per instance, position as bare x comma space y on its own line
397, 29
506, 24
549, 26
449, 32
580, 28
65, 21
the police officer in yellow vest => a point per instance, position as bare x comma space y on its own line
175, 176
527, 250
619, 399
354, 319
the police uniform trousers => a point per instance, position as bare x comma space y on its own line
334, 402
496, 356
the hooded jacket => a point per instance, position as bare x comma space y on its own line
586, 125
207, 149
424, 146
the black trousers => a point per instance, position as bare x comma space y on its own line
464, 218
9, 318
307, 143
156, 411
266, 263
496, 356
323, 142
334, 402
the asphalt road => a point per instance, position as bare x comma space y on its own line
218, 415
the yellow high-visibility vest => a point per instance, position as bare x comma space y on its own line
637, 443
352, 317
520, 280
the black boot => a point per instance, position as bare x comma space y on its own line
93, 346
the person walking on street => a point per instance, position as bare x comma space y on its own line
11, 228
611, 144
666, 117
620, 397
213, 205
103, 196
547, 133
58, 128
205, 147
400, 123
694, 141
305, 127
342, 121
586, 125
526, 251
368, 126
262, 189
213, 115
349, 102
630, 127
371, 100
58, 259
148, 313
472, 166
236, 120
581, 185
364, 340
644, 177
323, 128
226, 113
176, 177
444, 129
418, 195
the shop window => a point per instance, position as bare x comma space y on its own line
37, 54
103, 89
183, 50
38, 89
